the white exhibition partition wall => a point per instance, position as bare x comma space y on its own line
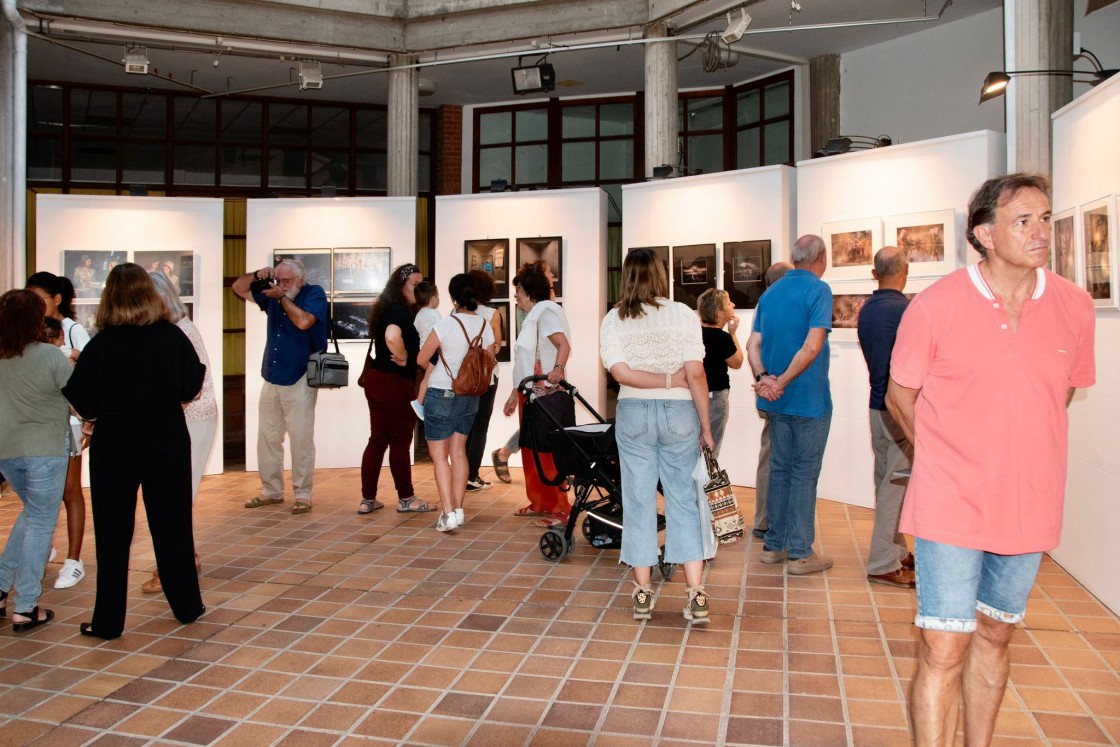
94, 223
920, 177
341, 415
1086, 168
579, 216
746, 205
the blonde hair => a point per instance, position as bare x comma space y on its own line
710, 303
643, 282
130, 299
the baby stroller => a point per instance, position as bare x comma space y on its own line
586, 458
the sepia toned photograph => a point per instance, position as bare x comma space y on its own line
502, 310
928, 238
87, 270
922, 243
85, 315
350, 318
177, 267
845, 309
492, 257
850, 248
316, 265
744, 269
548, 249
361, 270
1099, 251
1063, 248
694, 271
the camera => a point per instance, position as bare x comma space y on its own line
260, 286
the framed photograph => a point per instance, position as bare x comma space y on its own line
662, 253
87, 270
549, 249
694, 271
850, 246
350, 318
190, 309
502, 310
744, 270
316, 265
492, 257
361, 270
85, 315
1098, 251
930, 240
177, 267
1063, 246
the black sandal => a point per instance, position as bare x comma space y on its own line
87, 630
34, 622
3, 604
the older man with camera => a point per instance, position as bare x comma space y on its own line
297, 327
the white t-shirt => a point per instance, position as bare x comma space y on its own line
74, 337
426, 318
453, 345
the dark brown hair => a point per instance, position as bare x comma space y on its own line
130, 299
643, 282
424, 291
21, 321
392, 293
530, 278
995, 192
483, 285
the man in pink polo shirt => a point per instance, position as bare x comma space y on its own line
984, 366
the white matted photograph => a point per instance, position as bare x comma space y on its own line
850, 247
85, 314
361, 270
177, 267
316, 265
1063, 245
1098, 251
930, 240
87, 270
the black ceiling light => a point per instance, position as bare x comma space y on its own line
848, 143
539, 78
996, 82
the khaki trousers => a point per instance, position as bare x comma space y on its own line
287, 410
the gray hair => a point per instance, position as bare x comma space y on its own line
168, 296
777, 271
890, 261
807, 250
295, 266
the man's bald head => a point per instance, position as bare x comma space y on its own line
892, 265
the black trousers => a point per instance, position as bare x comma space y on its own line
476, 441
152, 454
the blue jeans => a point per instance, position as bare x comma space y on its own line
796, 452
659, 439
718, 413
447, 413
38, 481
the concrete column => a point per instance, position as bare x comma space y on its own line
1043, 40
824, 100
404, 121
661, 99
8, 247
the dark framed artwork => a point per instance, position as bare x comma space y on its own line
694, 271
350, 318
87, 270
1063, 249
316, 265
744, 271
502, 310
189, 305
361, 270
1098, 246
662, 253
548, 248
492, 257
177, 267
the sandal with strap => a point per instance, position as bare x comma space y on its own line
529, 511
259, 501
152, 585
34, 622
301, 507
409, 506
369, 505
3, 604
501, 466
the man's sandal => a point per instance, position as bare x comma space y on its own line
301, 507
409, 506
259, 501
369, 505
501, 466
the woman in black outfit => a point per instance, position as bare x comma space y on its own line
389, 380
133, 379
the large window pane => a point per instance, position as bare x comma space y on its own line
493, 163
777, 100
330, 169
241, 122
705, 114
194, 118
373, 128
287, 167
579, 162
44, 108
424, 180
287, 124
372, 171
777, 143
579, 121
143, 163
44, 159
616, 159
241, 166
495, 128
330, 126
143, 115
93, 160
749, 149
532, 164
747, 108
424, 138
532, 124
93, 112
194, 164
616, 119
705, 152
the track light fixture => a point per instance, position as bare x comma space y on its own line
136, 60
736, 27
996, 82
310, 75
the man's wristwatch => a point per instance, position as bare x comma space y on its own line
761, 375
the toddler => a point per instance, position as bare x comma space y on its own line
427, 298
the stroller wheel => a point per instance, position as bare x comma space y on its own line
554, 545
586, 526
667, 569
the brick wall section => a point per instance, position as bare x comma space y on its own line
449, 150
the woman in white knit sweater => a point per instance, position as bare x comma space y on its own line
654, 349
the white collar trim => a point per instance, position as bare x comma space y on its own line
982, 285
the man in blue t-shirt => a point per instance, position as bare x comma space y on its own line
889, 561
788, 354
297, 327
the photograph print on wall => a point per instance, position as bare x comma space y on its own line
744, 269
502, 310
492, 257
694, 271
350, 318
928, 238
87, 270
850, 248
1063, 247
361, 270
548, 248
85, 314
316, 265
177, 267
1098, 241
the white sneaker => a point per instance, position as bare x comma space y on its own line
460, 517
447, 522
417, 408
71, 573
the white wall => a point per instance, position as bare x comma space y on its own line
744, 205
117, 223
926, 84
341, 415
577, 215
1086, 167
931, 175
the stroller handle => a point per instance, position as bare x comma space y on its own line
526, 385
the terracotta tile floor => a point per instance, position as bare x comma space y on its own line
332, 628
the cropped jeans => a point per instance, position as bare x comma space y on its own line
796, 453
718, 412
38, 481
659, 438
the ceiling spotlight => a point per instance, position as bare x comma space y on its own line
996, 83
427, 86
310, 75
539, 78
736, 27
136, 60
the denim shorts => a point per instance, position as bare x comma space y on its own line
954, 583
447, 413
